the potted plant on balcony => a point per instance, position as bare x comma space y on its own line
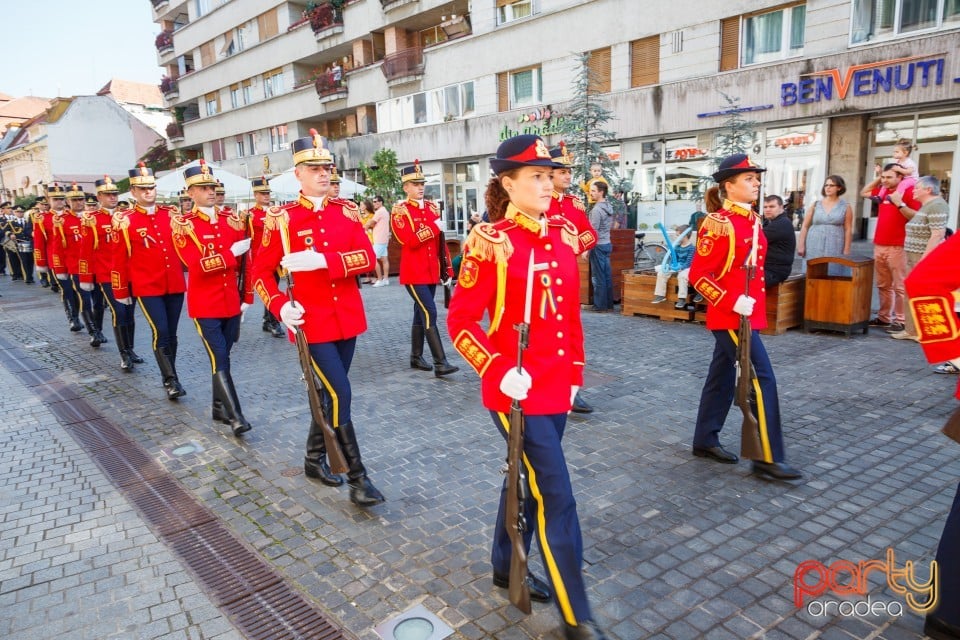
323, 15
174, 130
164, 40
168, 85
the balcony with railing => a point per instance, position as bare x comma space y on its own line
325, 18
330, 86
390, 5
168, 87
403, 66
164, 42
175, 132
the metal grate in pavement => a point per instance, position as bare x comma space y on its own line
251, 592
229, 570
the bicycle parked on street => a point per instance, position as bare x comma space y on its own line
647, 255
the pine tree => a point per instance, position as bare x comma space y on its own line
583, 127
737, 135
383, 177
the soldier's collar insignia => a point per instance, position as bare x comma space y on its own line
521, 219
738, 209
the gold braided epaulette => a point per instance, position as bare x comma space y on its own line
432, 207
349, 207
487, 242
577, 202
235, 221
716, 225
121, 224
88, 219
273, 218
568, 231
181, 225
399, 208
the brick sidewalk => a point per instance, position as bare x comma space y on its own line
675, 547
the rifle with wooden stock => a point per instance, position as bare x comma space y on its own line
338, 463
750, 446
517, 490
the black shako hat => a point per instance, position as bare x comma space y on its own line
526, 150
734, 164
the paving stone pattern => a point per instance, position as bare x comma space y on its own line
675, 547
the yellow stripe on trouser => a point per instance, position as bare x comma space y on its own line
560, 589
108, 300
335, 404
213, 360
153, 327
423, 309
761, 412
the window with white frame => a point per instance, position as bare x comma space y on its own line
211, 106
525, 88
426, 107
774, 35
273, 84
508, 11
880, 19
245, 91
241, 149
278, 138
235, 96
251, 144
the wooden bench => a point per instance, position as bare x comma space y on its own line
638, 293
784, 306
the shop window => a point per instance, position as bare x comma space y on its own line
880, 19
525, 88
773, 35
510, 10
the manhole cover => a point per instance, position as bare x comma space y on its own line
289, 473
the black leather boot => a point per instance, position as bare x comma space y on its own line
278, 330
169, 373
125, 362
98, 323
229, 410
416, 349
315, 461
267, 321
585, 630
362, 491
440, 365
91, 327
133, 354
580, 405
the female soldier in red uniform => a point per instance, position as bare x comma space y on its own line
493, 280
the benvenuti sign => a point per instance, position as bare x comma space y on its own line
898, 74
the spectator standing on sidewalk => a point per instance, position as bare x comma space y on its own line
827, 229
380, 225
781, 241
601, 219
925, 230
890, 260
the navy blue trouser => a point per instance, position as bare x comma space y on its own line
163, 316
719, 390
218, 336
551, 505
68, 294
122, 313
89, 300
331, 363
424, 308
948, 557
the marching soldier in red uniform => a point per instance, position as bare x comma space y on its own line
496, 281
212, 245
255, 216
42, 242
424, 262
718, 273
96, 254
571, 207
145, 265
66, 253
322, 244
930, 287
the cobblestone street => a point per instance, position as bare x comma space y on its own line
675, 546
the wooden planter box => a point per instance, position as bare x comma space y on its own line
838, 303
785, 305
638, 293
620, 258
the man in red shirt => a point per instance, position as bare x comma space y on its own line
890, 260
211, 244
415, 223
255, 217
321, 244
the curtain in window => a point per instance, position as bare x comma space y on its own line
918, 14
951, 11
798, 20
762, 35
522, 87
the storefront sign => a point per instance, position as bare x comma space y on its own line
540, 122
899, 74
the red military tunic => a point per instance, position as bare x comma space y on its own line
493, 278
97, 246
145, 262
255, 217
43, 239
333, 308
930, 288
204, 245
67, 232
717, 272
420, 242
571, 207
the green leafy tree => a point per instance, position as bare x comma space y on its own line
584, 127
25, 201
382, 178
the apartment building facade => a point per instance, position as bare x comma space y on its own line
829, 85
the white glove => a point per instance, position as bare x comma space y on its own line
240, 247
744, 305
42, 270
86, 286
128, 300
291, 314
574, 389
446, 281
303, 261
515, 384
